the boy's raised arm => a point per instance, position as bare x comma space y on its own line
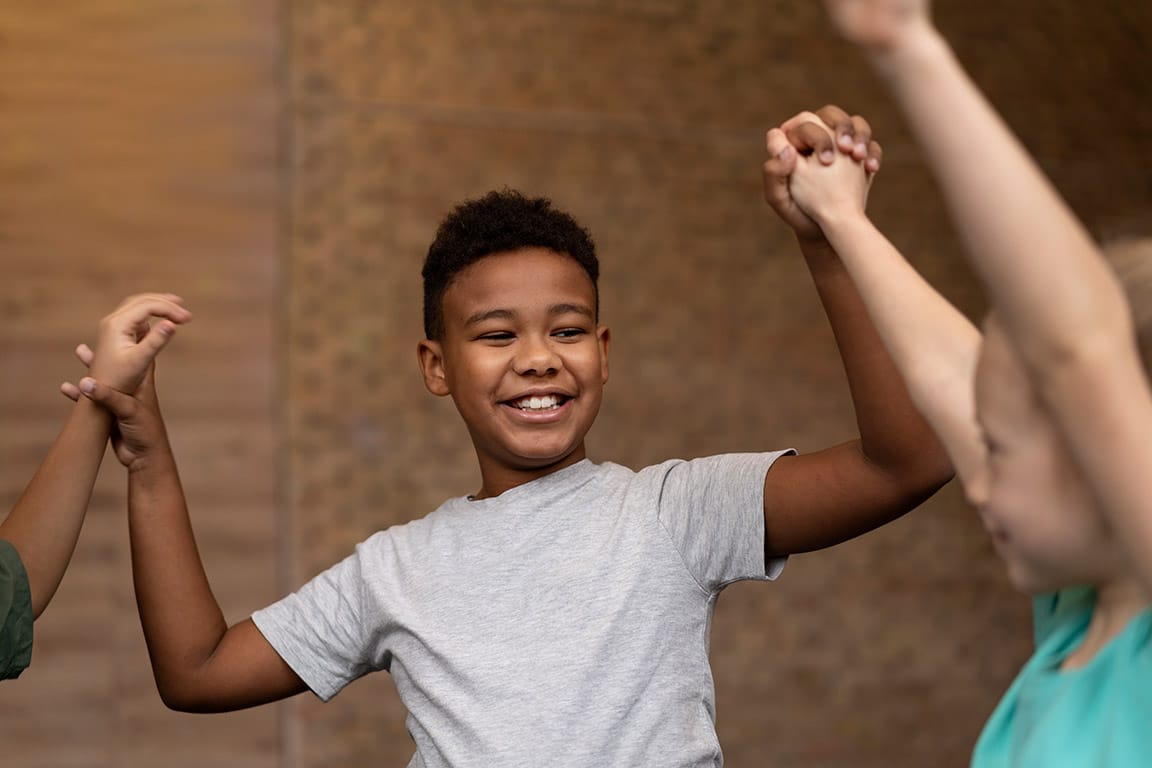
934, 346
46, 521
199, 662
1056, 297
822, 498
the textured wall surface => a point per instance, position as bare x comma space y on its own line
645, 120
284, 166
139, 150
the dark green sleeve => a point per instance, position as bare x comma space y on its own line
15, 614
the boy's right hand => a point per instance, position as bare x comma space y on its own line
121, 370
139, 430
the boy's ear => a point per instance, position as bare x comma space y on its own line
431, 357
604, 338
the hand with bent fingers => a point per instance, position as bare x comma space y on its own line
138, 429
830, 193
129, 340
121, 368
820, 135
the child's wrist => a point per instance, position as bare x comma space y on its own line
921, 44
149, 467
832, 219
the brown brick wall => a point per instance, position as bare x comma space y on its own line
284, 165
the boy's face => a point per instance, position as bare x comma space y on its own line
524, 362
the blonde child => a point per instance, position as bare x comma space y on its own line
1047, 414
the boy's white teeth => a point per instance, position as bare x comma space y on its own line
538, 403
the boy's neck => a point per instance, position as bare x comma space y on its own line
496, 477
1116, 604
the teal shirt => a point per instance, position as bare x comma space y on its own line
1097, 716
15, 614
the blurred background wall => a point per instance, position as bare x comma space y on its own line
283, 165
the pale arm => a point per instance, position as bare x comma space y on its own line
933, 345
1057, 298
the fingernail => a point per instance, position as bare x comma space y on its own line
88, 386
845, 141
827, 156
861, 149
785, 153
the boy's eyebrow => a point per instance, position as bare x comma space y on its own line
490, 314
508, 314
568, 309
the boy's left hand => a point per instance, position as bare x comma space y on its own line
820, 134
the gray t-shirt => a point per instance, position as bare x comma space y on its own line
562, 623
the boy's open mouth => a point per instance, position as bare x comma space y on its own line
539, 402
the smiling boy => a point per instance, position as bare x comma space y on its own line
514, 339
560, 614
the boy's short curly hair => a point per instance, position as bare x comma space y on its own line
500, 221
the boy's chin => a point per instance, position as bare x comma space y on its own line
538, 458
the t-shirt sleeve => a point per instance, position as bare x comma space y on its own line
713, 510
15, 614
328, 631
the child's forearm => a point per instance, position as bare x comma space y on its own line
45, 523
182, 622
892, 433
932, 344
1042, 271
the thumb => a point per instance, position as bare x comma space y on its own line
778, 168
156, 339
121, 405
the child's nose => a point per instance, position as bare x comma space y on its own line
976, 489
537, 358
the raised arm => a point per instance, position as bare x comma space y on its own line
1059, 302
934, 346
46, 521
1021, 237
821, 498
199, 662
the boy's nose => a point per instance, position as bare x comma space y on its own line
536, 358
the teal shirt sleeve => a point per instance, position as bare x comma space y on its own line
15, 614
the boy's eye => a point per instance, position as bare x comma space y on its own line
569, 333
497, 336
